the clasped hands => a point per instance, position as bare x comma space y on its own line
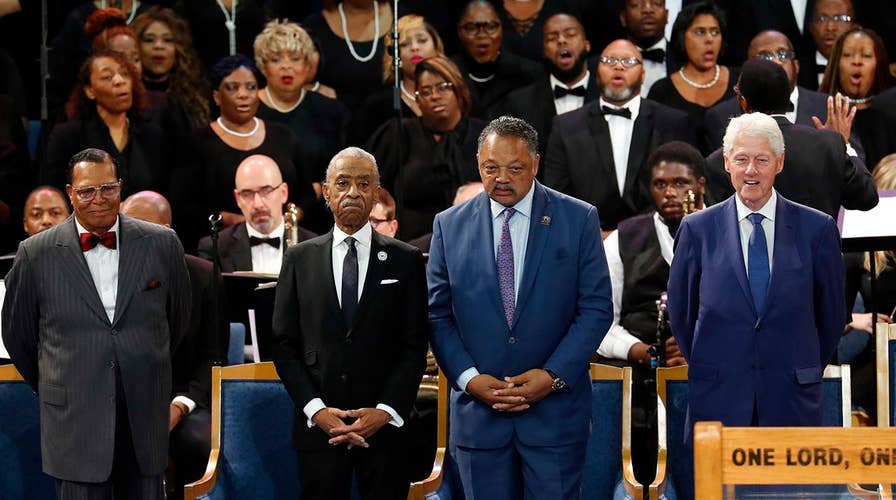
515, 394
368, 421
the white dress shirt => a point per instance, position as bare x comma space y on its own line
746, 228
799, 13
794, 99
265, 258
621, 136
653, 70
519, 237
103, 265
820, 60
618, 341
674, 7
569, 103
363, 239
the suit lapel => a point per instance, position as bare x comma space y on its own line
69, 244
785, 255
803, 113
331, 300
538, 236
600, 133
482, 217
241, 250
638, 145
375, 270
729, 228
131, 256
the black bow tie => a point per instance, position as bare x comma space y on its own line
274, 242
623, 112
655, 55
820, 68
563, 91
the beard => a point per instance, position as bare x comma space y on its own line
621, 96
568, 76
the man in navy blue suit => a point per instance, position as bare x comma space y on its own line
756, 293
519, 298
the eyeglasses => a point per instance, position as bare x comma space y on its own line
427, 92
88, 193
704, 32
472, 29
782, 55
248, 195
838, 19
374, 222
627, 62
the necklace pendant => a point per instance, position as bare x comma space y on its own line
230, 25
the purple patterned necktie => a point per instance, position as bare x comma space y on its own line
505, 267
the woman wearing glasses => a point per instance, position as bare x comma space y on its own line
204, 181
490, 73
105, 111
700, 81
437, 151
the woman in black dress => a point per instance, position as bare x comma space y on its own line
858, 68
436, 152
204, 181
700, 81
523, 22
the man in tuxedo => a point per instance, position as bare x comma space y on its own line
351, 333
94, 307
645, 25
756, 297
44, 208
566, 88
822, 171
806, 104
830, 19
519, 298
205, 339
598, 153
746, 18
257, 244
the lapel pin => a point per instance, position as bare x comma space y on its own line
382, 256
545, 221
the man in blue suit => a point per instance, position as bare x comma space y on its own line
755, 293
519, 298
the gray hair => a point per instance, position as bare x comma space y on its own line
754, 124
510, 126
353, 152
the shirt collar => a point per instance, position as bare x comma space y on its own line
661, 44
276, 233
820, 59
523, 207
581, 82
768, 211
114, 227
633, 105
362, 236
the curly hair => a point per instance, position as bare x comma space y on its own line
279, 35
79, 106
105, 24
830, 84
185, 79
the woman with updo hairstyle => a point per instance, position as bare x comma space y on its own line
284, 53
107, 29
436, 151
859, 69
417, 40
106, 112
170, 63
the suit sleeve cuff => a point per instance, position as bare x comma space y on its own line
313, 406
850, 151
189, 403
397, 421
466, 377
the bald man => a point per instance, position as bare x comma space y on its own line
189, 411
598, 153
257, 244
44, 208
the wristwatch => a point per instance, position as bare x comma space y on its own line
558, 383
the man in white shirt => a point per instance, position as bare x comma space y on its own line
830, 18
645, 23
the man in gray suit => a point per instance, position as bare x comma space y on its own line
94, 307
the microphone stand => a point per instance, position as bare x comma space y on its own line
215, 220
396, 107
44, 76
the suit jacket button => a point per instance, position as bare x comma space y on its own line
111, 364
114, 332
348, 341
344, 377
511, 340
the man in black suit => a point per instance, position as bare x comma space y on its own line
205, 338
350, 323
746, 18
258, 243
818, 172
598, 153
568, 86
645, 25
830, 19
776, 47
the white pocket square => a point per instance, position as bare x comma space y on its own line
388, 282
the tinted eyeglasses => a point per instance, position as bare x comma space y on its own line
88, 193
838, 19
627, 62
782, 55
472, 29
442, 88
248, 195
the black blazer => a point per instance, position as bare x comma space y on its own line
817, 172
511, 73
580, 158
379, 358
234, 248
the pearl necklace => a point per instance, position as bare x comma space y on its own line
230, 23
406, 93
863, 100
239, 134
692, 83
278, 108
376, 33
481, 80
104, 4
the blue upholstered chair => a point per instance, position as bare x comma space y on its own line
675, 464
20, 463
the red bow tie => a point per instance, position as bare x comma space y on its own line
90, 240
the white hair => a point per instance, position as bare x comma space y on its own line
353, 152
754, 124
